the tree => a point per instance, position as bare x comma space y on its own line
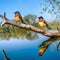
52, 7
30, 18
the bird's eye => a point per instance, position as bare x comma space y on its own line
16, 14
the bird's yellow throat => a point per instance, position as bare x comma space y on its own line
17, 18
42, 24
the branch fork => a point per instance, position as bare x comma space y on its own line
30, 27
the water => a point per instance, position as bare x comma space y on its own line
23, 49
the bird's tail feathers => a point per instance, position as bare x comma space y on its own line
23, 22
48, 27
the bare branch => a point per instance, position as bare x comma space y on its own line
4, 15
58, 46
29, 27
5, 56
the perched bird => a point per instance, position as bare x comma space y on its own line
43, 23
18, 17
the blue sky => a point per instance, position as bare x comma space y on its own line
24, 6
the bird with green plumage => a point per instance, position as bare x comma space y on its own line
43, 23
18, 17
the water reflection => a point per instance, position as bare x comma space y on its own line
24, 49
58, 46
44, 46
6, 32
5, 56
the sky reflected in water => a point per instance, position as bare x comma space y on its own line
23, 49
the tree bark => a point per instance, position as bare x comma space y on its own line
29, 27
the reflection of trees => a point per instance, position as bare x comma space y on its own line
43, 47
15, 32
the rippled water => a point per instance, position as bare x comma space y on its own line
23, 49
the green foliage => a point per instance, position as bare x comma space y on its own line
16, 32
30, 18
54, 24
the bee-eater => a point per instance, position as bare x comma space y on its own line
18, 17
43, 23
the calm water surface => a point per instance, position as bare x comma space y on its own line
23, 49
